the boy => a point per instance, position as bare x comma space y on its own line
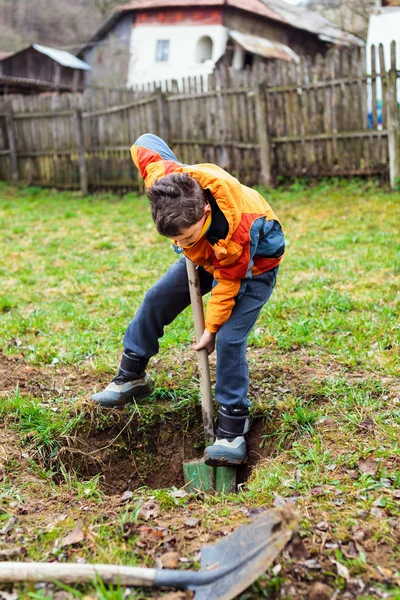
231, 233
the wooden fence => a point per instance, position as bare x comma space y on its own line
317, 118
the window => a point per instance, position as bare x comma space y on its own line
162, 50
204, 49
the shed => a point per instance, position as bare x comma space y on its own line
60, 69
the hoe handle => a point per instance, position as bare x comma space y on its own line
204, 369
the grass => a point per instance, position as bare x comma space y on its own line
75, 271
324, 356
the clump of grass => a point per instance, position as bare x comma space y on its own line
297, 420
44, 427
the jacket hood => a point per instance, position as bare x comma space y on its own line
155, 159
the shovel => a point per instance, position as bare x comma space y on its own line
227, 568
198, 475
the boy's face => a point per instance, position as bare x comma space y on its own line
190, 235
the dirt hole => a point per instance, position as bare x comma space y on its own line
126, 459
125, 450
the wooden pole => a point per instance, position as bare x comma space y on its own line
81, 150
393, 122
163, 115
75, 573
204, 368
263, 137
13, 146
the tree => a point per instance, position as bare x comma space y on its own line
350, 15
51, 22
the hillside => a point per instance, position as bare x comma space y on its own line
50, 22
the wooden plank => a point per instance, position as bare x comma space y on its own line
393, 121
263, 137
315, 84
13, 147
330, 135
81, 151
384, 84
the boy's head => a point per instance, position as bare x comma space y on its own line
179, 207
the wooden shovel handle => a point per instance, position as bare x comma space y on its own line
204, 368
11, 572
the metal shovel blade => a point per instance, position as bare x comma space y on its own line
245, 554
228, 567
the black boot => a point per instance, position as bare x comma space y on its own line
229, 447
131, 383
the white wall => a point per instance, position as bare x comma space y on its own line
143, 66
383, 29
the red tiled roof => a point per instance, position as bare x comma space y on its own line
254, 6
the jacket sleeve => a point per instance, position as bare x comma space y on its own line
230, 281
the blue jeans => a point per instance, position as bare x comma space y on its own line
170, 296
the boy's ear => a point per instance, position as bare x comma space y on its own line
207, 209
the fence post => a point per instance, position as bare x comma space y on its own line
81, 150
393, 122
263, 137
163, 115
13, 146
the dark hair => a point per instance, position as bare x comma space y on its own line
177, 201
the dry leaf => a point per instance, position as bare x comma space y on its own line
151, 535
8, 596
320, 591
367, 424
342, 571
74, 537
179, 494
276, 569
126, 496
8, 526
11, 553
149, 510
312, 563
130, 529
170, 560
368, 465
192, 522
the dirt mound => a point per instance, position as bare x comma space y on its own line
41, 382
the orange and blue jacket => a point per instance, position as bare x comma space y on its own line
244, 238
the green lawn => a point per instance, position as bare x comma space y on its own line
324, 357
74, 271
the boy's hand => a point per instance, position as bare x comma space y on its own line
207, 341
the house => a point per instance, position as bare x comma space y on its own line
156, 40
383, 28
38, 68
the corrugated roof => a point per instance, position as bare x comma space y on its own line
264, 47
63, 58
311, 21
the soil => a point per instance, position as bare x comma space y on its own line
156, 461
126, 462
